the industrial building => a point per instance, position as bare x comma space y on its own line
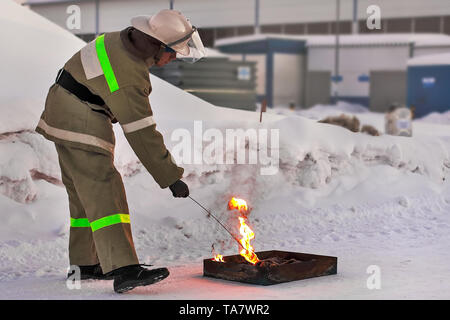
223, 19
297, 69
300, 52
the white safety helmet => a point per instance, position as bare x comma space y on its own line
175, 31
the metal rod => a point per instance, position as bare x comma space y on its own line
257, 26
217, 221
336, 53
97, 18
355, 25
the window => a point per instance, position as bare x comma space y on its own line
428, 24
399, 25
318, 28
273, 28
297, 28
345, 27
225, 32
245, 30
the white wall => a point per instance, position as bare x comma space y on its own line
355, 61
287, 78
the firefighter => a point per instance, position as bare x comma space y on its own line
106, 82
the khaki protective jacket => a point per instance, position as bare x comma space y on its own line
121, 79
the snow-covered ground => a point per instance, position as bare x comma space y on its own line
370, 201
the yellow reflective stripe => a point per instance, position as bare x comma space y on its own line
138, 125
79, 223
75, 136
110, 220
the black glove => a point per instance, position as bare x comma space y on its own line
179, 189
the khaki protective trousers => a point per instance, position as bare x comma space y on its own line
100, 226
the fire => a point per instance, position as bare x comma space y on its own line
218, 258
247, 234
238, 204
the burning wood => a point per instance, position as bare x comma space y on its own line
218, 258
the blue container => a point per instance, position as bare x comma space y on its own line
429, 89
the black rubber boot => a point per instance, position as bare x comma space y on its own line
130, 277
92, 272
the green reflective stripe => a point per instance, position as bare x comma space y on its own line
110, 220
79, 223
106, 65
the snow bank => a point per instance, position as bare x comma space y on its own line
437, 118
320, 152
25, 157
320, 111
34, 50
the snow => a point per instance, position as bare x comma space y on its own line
402, 241
31, 63
381, 201
437, 118
362, 201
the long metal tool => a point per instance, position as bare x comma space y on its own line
217, 221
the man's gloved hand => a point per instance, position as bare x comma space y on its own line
179, 189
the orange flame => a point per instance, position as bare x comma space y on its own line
247, 234
218, 258
238, 204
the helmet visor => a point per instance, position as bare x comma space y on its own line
196, 49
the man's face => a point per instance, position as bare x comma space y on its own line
166, 57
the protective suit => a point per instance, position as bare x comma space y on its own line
111, 76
